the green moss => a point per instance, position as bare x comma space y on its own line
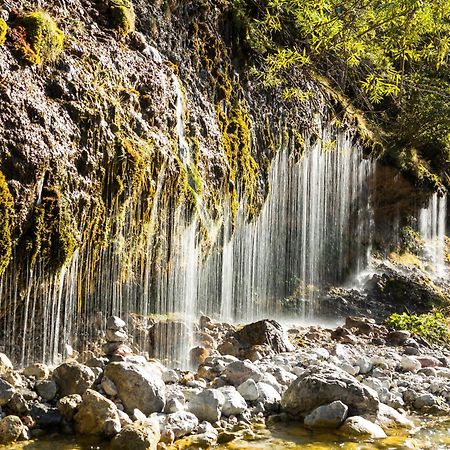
37, 38
3, 31
52, 236
122, 17
431, 326
411, 242
6, 212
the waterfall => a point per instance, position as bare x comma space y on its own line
432, 226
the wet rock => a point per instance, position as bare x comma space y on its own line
388, 417
239, 371
137, 436
234, 402
265, 332
73, 378
137, 386
226, 436
207, 405
45, 416
47, 389
68, 406
116, 349
430, 403
6, 392
249, 390
327, 416
180, 423
11, 429
96, 415
363, 324
37, 371
359, 427
320, 385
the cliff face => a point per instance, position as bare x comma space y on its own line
148, 113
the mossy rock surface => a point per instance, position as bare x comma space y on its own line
6, 212
122, 17
37, 38
3, 31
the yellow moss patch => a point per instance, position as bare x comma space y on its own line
37, 38
6, 212
3, 31
122, 17
406, 259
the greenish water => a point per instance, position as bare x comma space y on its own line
429, 433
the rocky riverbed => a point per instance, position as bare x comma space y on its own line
359, 381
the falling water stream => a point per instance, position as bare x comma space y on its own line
314, 230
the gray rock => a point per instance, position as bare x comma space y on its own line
47, 389
109, 387
6, 392
11, 429
249, 390
73, 378
268, 394
234, 402
320, 385
116, 336
327, 416
265, 332
18, 404
115, 323
137, 386
97, 415
180, 423
410, 363
207, 405
240, 371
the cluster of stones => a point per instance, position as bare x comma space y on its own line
359, 379
116, 338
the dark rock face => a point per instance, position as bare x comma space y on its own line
264, 332
321, 385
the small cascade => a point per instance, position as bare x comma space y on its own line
314, 229
432, 226
183, 146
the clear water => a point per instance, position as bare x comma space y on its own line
429, 433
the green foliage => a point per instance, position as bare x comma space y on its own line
43, 40
122, 16
6, 212
389, 58
410, 240
431, 326
3, 31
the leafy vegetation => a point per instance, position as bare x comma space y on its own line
387, 58
431, 326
